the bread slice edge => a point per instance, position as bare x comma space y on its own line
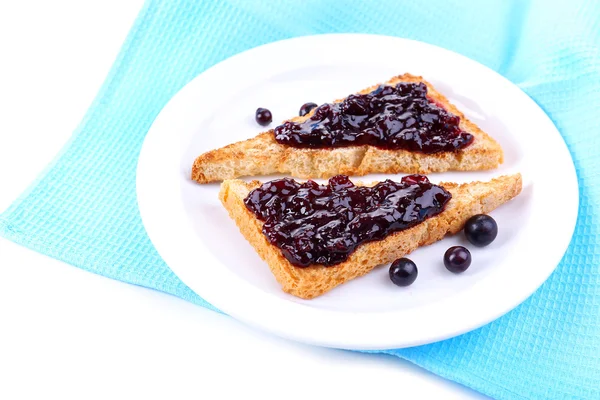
263, 155
467, 200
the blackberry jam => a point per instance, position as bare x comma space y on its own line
390, 117
324, 224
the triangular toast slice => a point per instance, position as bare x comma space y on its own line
308, 282
263, 155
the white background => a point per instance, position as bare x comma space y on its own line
71, 334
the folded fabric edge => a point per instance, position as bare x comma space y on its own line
105, 89
441, 368
10, 232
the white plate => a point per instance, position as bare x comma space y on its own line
196, 238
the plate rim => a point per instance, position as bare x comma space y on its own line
145, 208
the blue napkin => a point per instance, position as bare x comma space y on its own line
83, 208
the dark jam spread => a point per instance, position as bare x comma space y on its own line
391, 117
324, 224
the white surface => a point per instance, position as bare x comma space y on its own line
368, 312
71, 334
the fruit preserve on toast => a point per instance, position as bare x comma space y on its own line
390, 117
324, 224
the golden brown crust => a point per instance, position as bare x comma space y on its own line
262, 155
467, 200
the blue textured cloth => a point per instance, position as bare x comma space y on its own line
83, 208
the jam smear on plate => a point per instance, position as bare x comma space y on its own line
323, 224
390, 117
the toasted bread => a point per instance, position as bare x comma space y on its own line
263, 155
467, 200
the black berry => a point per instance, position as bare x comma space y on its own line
263, 116
306, 108
403, 272
457, 259
481, 230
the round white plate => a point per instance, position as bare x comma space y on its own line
202, 245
